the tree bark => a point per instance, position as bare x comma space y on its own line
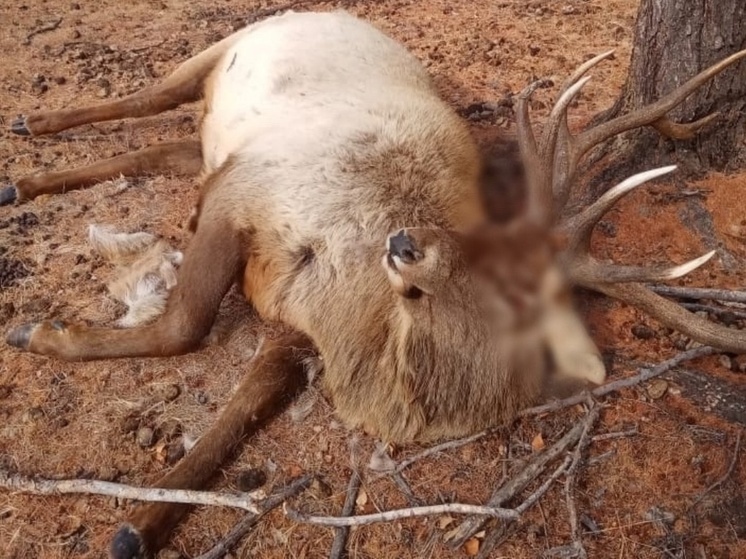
674, 40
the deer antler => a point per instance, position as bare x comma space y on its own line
551, 166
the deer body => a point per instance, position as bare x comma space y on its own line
332, 138
342, 194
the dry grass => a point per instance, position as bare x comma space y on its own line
64, 419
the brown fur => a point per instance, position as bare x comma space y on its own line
441, 346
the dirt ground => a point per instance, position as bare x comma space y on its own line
80, 420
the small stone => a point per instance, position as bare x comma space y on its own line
642, 332
725, 362
534, 49
250, 479
145, 437
201, 398
739, 363
568, 10
167, 392
657, 389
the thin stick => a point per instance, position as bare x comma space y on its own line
250, 520
700, 293
720, 311
642, 376
507, 529
585, 440
615, 435
398, 514
727, 474
403, 485
51, 26
514, 486
25, 484
532, 499
340, 538
448, 445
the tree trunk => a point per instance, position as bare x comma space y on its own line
674, 40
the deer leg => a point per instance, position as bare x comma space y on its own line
184, 85
211, 264
276, 373
183, 158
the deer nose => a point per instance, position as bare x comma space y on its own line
402, 247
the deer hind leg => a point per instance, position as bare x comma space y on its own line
184, 85
211, 264
181, 158
276, 374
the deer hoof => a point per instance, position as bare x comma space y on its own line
21, 336
127, 544
18, 126
8, 195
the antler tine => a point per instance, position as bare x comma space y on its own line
591, 273
583, 69
579, 228
650, 113
539, 207
672, 315
562, 171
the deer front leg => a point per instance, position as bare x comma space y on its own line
211, 264
181, 158
275, 375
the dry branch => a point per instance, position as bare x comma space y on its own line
399, 514
25, 484
642, 376
615, 435
507, 529
340, 538
700, 293
448, 445
533, 470
250, 520
585, 440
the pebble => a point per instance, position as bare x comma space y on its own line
145, 437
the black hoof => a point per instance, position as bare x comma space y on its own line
20, 336
18, 126
8, 195
127, 544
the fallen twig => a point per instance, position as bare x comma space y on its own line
615, 435
715, 310
245, 501
448, 445
398, 514
250, 520
642, 376
728, 473
51, 26
700, 293
406, 489
340, 538
514, 486
507, 529
585, 440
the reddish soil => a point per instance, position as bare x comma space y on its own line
79, 419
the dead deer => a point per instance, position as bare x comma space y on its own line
341, 193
